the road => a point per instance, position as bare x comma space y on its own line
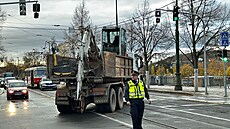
166, 112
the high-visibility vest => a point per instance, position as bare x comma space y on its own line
136, 92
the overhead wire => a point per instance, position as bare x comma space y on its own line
32, 24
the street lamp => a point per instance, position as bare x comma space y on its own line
18, 66
33, 57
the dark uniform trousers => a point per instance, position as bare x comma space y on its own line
136, 111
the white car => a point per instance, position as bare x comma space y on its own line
46, 83
6, 80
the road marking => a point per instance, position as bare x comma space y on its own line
116, 120
191, 105
207, 101
186, 105
193, 113
37, 92
1, 91
188, 119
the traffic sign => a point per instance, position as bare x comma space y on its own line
224, 38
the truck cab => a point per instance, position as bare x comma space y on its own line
114, 40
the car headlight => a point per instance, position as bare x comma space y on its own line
11, 91
24, 91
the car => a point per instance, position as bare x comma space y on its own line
46, 83
2, 82
17, 89
6, 79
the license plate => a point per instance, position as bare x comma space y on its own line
18, 93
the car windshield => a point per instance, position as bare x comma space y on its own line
39, 73
11, 78
17, 84
46, 79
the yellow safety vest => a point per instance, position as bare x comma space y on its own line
136, 92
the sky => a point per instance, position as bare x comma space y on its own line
17, 40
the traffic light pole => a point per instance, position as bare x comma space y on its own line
225, 86
178, 85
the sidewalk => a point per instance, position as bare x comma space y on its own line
215, 94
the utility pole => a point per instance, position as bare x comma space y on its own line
116, 15
225, 86
18, 66
178, 85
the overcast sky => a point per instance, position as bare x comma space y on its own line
18, 40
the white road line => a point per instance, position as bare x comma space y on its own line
116, 120
188, 119
1, 91
191, 105
37, 92
193, 113
207, 101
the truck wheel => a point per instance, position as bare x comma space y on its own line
65, 109
120, 95
111, 106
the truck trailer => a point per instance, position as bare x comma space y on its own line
97, 74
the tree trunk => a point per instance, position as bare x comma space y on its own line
196, 74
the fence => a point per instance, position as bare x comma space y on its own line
189, 81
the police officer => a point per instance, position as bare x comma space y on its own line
134, 94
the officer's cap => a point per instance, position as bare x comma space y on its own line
135, 73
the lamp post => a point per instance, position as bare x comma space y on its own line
18, 66
178, 85
33, 57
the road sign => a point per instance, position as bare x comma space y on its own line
224, 38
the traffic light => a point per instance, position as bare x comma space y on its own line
158, 20
22, 7
158, 15
175, 13
36, 15
36, 7
225, 55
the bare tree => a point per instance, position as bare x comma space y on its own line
80, 20
2, 19
147, 37
215, 16
34, 58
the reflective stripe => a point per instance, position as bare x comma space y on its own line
136, 91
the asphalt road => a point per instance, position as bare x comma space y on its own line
166, 112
